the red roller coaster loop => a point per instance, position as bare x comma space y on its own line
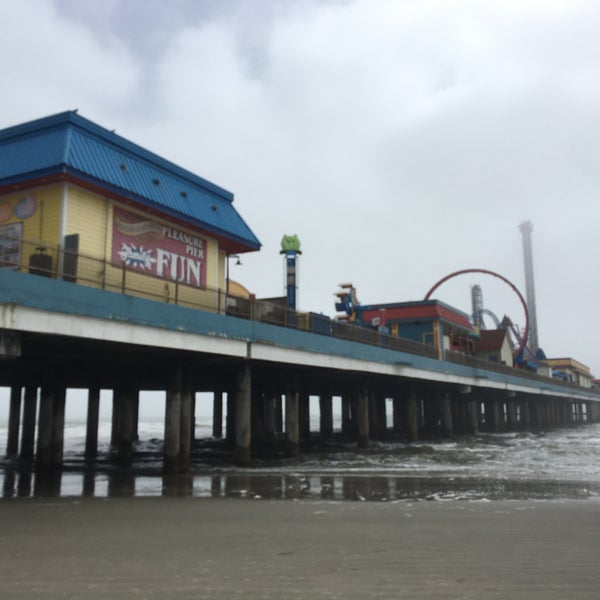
493, 274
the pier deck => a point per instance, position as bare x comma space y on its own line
59, 335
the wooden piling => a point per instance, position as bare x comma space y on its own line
292, 419
29, 415
397, 417
446, 413
44, 436
58, 425
185, 437
346, 414
362, 416
326, 415
172, 445
304, 415
412, 416
217, 428
243, 416
91, 433
126, 398
14, 421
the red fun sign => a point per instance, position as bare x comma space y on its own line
147, 247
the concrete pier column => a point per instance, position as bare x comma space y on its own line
91, 431
492, 415
172, 445
397, 417
373, 416
230, 417
278, 413
525, 415
412, 416
534, 414
377, 415
362, 416
544, 412
511, 414
566, 413
193, 424
304, 414
380, 403
126, 397
292, 419
430, 407
446, 413
185, 421
243, 416
135, 435
114, 426
217, 428
58, 425
346, 414
268, 411
326, 415
29, 414
45, 418
473, 416
14, 421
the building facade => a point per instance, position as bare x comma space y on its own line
80, 203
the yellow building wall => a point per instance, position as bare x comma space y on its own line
42, 226
88, 215
91, 216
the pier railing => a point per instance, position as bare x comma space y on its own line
478, 363
54, 261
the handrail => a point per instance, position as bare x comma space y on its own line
50, 260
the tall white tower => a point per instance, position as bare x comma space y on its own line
526, 228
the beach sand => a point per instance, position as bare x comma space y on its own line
247, 548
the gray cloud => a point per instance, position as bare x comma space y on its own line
399, 140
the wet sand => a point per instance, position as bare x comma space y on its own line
204, 548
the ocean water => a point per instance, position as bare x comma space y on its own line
546, 465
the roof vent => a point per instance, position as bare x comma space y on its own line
214, 207
184, 194
123, 167
156, 181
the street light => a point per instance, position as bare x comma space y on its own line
238, 262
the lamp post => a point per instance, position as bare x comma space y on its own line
237, 262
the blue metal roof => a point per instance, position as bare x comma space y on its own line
70, 144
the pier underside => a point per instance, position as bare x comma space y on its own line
57, 336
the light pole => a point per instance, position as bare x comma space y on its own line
237, 262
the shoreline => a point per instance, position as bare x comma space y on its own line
218, 548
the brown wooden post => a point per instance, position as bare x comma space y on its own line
243, 395
14, 421
172, 447
292, 419
362, 416
217, 429
91, 434
29, 414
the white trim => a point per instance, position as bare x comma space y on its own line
63, 213
22, 318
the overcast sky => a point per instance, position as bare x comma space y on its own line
401, 140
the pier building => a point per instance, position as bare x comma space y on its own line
494, 345
115, 277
